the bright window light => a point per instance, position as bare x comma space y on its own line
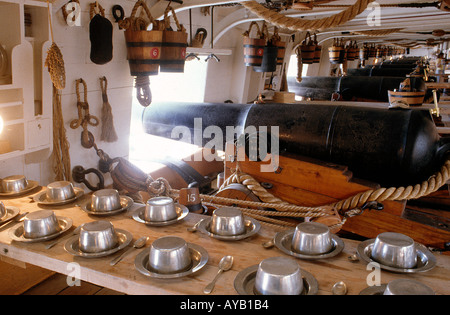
1, 124
166, 87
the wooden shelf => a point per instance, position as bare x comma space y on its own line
29, 82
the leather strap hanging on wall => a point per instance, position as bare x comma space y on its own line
100, 35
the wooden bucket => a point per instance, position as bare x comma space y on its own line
173, 47
364, 52
308, 48
276, 41
269, 60
143, 47
253, 47
410, 98
317, 51
336, 53
352, 52
372, 51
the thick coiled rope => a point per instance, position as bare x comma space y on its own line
296, 24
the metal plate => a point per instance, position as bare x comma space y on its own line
41, 198
199, 257
252, 227
125, 202
244, 283
31, 184
283, 240
425, 259
182, 212
72, 246
16, 232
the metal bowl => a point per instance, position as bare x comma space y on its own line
40, 223
395, 250
169, 254
97, 236
160, 209
227, 221
278, 276
14, 184
105, 200
60, 191
407, 287
312, 238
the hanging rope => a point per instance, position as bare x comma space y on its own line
84, 117
108, 133
61, 157
55, 66
295, 24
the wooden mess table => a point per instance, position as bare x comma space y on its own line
125, 278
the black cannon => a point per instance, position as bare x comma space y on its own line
351, 88
391, 147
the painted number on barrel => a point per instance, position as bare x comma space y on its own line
191, 198
155, 52
260, 52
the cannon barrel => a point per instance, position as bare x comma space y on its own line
367, 88
392, 147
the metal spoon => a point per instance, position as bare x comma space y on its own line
225, 264
137, 244
194, 228
75, 232
269, 244
353, 258
339, 288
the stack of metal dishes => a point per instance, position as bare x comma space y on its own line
58, 193
106, 202
171, 257
275, 276
16, 185
97, 239
160, 211
397, 252
38, 226
309, 240
229, 224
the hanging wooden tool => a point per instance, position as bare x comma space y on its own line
84, 117
108, 131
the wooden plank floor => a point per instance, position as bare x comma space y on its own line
57, 285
